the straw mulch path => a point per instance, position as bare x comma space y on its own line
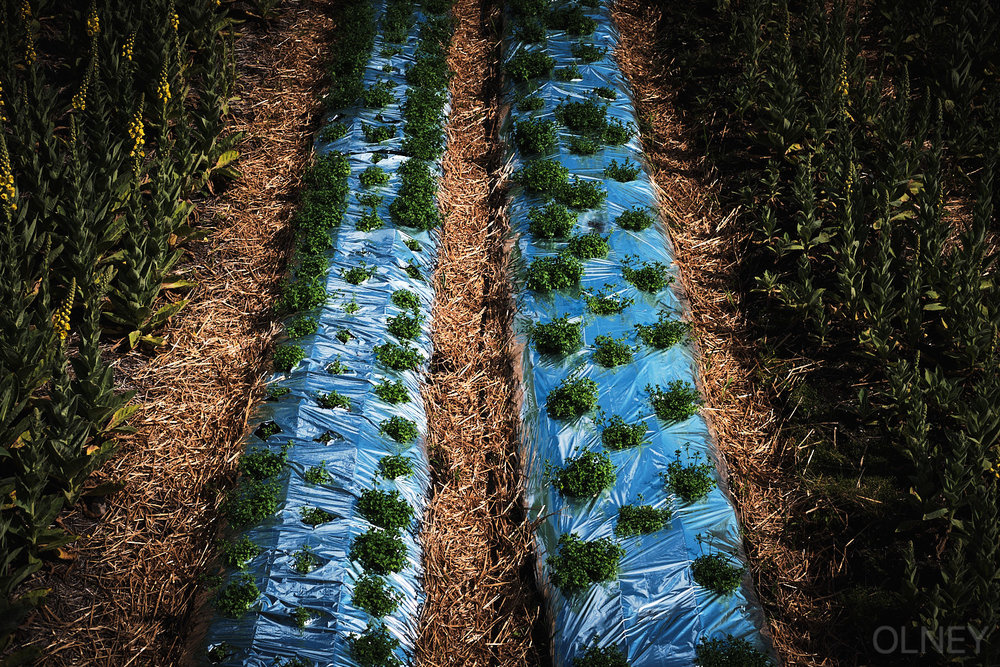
132, 596
481, 607
707, 243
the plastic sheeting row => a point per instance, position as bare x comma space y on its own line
348, 443
653, 610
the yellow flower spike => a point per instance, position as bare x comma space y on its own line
93, 22
128, 48
29, 49
25, 10
3, 107
8, 193
61, 319
163, 87
138, 135
175, 21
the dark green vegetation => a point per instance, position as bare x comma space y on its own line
641, 520
560, 336
646, 276
585, 476
616, 433
549, 273
376, 596
579, 564
727, 652
236, 599
385, 509
717, 573
573, 397
678, 401
862, 147
553, 221
379, 552
690, 481
609, 656
610, 352
664, 333
374, 648
606, 302
395, 466
588, 246
400, 429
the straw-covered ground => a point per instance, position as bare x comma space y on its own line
739, 410
131, 593
481, 606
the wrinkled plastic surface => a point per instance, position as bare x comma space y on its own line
267, 635
654, 611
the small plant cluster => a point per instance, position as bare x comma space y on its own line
379, 551
641, 520
559, 336
315, 516
400, 429
529, 65
274, 392
379, 95
588, 53
535, 135
385, 509
427, 94
261, 463
239, 552
587, 117
585, 476
301, 326
692, 481
376, 596
588, 246
305, 560
251, 502
635, 219
542, 176
571, 73
607, 302
579, 564
664, 333
609, 656
405, 327
716, 573
398, 357
572, 19
301, 617
358, 274
395, 466
678, 401
624, 172
554, 273
376, 134
530, 103
647, 276
729, 651
610, 352
392, 392
617, 434
405, 300
332, 400
317, 474
238, 597
574, 397
375, 647
415, 206
373, 176
553, 221
583, 145
581, 195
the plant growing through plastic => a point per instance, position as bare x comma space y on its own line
572, 398
678, 401
579, 564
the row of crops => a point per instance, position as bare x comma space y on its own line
110, 118
863, 147
322, 549
638, 545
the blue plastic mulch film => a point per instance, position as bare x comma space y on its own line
305, 612
652, 611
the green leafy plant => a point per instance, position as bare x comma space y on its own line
606, 302
553, 221
588, 246
337, 367
267, 429
379, 551
664, 333
729, 651
610, 352
237, 553
584, 476
534, 135
572, 398
333, 131
716, 573
376, 134
369, 221
357, 274
221, 652
375, 648
617, 133
376, 596
274, 392
398, 357
392, 392
302, 325
287, 357
675, 403
529, 65
304, 560
373, 176
333, 399
261, 463
314, 516
559, 336
542, 176
394, 466
405, 327
588, 53
571, 19
250, 502
635, 220
531, 31
609, 656
581, 194
400, 429
385, 509
531, 103
587, 117
415, 205
317, 474
301, 616
371, 200
413, 245
406, 300
344, 335
606, 93
351, 306
692, 481
624, 172
236, 599
579, 564
641, 520
648, 277
570, 73
583, 145
413, 271
618, 434
379, 95
549, 273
